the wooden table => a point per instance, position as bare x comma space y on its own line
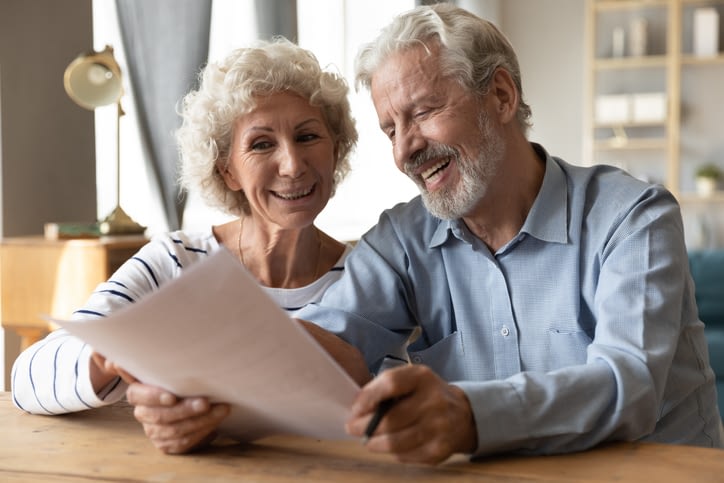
108, 445
54, 277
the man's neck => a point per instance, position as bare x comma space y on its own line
499, 216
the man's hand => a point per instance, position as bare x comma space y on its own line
175, 425
430, 421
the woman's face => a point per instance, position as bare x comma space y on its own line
283, 158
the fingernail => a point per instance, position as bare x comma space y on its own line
198, 405
167, 399
219, 410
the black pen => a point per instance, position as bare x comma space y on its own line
387, 363
380, 412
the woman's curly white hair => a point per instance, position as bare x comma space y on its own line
228, 91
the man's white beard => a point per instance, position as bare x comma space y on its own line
455, 201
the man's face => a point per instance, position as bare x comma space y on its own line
442, 135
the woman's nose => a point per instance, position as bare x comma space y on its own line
292, 162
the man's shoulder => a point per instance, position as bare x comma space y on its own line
606, 195
410, 214
605, 182
405, 223
413, 207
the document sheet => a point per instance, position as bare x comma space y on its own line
214, 332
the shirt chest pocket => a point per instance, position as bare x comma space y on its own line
449, 360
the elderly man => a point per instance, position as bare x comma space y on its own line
554, 303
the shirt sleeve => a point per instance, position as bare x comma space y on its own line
373, 289
52, 376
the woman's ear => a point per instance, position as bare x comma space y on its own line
505, 94
231, 182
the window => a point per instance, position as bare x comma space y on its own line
374, 182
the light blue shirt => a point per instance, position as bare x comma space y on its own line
581, 329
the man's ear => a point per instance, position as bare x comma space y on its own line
505, 95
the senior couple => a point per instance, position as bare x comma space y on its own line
554, 302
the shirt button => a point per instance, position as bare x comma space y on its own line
505, 332
417, 359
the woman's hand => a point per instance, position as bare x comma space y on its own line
175, 425
103, 371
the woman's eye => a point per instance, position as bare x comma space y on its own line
307, 137
261, 145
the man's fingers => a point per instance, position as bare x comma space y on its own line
387, 385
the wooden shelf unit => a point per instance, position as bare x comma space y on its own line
669, 151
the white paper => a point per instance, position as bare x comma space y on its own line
214, 332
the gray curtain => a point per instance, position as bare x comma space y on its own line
166, 43
277, 17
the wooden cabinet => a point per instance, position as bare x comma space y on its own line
54, 277
656, 110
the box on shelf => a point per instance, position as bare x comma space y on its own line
648, 107
706, 32
612, 109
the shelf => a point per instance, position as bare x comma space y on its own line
691, 198
629, 125
616, 144
690, 59
648, 62
603, 5
702, 2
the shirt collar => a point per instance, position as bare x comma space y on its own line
547, 219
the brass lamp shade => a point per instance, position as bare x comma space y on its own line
93, 80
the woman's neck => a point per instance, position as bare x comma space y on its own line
281, 258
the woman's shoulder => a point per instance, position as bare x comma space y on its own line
182, 246
198, 241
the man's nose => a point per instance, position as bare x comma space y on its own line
408, 142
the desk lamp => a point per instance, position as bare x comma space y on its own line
93, 80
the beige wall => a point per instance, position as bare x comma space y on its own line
47, 147
549, 36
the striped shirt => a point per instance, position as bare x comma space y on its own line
52, 376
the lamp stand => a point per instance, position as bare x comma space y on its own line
118, 222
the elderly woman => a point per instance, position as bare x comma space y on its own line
265, 138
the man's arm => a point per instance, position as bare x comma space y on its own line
346, 355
